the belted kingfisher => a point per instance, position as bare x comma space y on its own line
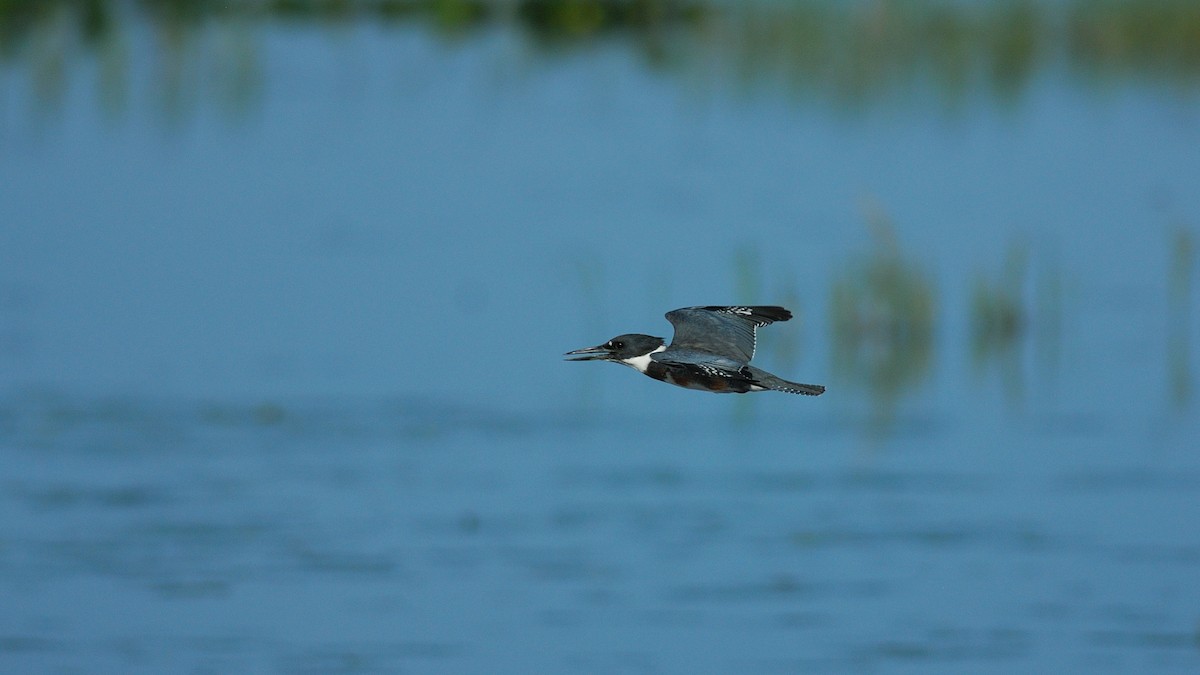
711, 351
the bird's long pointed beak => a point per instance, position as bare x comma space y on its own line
597, 353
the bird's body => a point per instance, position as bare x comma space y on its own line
711, 351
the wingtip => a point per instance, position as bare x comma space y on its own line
764, 313
773, 312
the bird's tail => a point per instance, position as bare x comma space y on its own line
769, 381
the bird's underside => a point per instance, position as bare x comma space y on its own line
722, 379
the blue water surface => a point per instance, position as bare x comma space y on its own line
283, 302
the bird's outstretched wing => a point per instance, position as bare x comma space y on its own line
725, 331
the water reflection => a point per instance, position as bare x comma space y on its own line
850, 55
881, 315
1048, 307
1182, 275
999, 319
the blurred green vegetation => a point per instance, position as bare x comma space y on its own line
848, 54
882, 320
999, 318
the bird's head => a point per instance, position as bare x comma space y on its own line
620, 348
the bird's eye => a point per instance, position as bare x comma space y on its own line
616, 344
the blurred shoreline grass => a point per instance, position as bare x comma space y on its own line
848, 54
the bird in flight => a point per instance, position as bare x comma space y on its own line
711, 351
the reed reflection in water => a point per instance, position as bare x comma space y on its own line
1181, 308
883, 322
